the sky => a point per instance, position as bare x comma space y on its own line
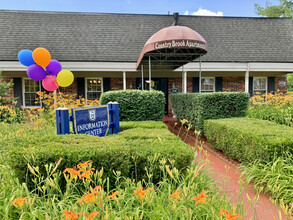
243, 8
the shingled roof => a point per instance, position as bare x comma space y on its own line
121, 37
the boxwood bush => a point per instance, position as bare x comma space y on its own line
197, 107
248, 139
137, 105
129, 152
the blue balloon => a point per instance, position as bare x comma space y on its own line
25, 57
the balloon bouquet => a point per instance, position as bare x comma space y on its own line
39, 64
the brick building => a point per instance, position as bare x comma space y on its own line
102, 51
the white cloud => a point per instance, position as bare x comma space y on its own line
186, 13
204, 12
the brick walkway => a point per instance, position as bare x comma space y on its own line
222, 167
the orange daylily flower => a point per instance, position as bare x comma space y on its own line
86, 173
73, 173
84, 165
201, 198
113, 195
96, 190
229, 216
92, 215
175, 195
142, 192
71, 215
19, 201
87, 198
21, 131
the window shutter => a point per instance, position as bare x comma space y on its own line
17, 89
251, 86
80, 87
195, 84
271, 82
106, 84
219, 84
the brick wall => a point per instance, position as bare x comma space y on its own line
70, 90
282, 88
233, 84
116, 83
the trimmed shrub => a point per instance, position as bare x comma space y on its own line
247, 139
197, 107
129, 152
137, 105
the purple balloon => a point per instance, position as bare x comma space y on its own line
54, 67
36, 72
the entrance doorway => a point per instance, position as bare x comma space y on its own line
160, 84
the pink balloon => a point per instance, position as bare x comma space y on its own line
50, 83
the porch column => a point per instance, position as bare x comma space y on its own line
184, 81
142, 80
124, 80
199, 86
247, 78
150, 74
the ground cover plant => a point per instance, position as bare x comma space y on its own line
249, 139
273, 107
198, 107
77, 186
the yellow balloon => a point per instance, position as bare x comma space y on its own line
65, 78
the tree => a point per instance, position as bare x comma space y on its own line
4, 95
285, 9
290, 82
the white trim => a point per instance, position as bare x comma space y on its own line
102, 85
130, 67
214, 83
23, 92
260, 77
77, 66
238, 67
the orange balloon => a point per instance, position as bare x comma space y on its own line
42, 56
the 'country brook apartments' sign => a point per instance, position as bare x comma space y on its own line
94, 120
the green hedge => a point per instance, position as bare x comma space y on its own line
197, 107
129, 151
248, 139
137, 105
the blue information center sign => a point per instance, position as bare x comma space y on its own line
94, 120
91, 120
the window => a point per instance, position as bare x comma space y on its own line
208, 84
30, 96
94, 88
259, 85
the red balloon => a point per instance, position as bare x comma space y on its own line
50, 83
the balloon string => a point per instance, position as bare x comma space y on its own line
59, 93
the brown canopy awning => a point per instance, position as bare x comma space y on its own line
172, 47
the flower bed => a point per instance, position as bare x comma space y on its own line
277, 108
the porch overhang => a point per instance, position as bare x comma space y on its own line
172, 47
